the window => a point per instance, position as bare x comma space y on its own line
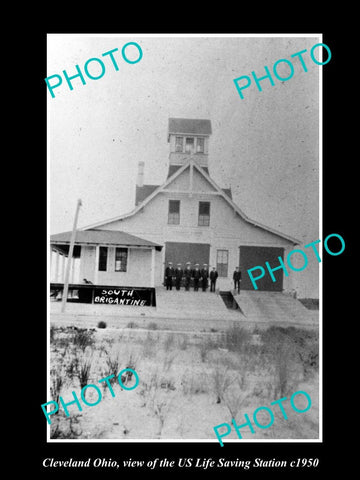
103, 253
121, 256
200, 145
204, 214
189, 145
179, 144
222, 259
174, 212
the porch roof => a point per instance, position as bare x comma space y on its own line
102, 237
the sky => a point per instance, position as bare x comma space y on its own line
265, 146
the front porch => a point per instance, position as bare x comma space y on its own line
104, 258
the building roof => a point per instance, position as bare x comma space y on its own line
222, 192
227, 191
143, 192
102, 237
175, 168
189, 126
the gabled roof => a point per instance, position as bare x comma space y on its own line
102, 237
190, 126
174, 168
143, 192
216, 187
227, 191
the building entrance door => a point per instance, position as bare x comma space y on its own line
182, 252
251, 257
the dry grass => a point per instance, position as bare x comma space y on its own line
226, 372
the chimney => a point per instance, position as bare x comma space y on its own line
140, 175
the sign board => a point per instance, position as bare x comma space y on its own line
137, 297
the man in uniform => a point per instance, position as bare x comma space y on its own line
213, 277
197, 276
237, 279
187, 275
178, 276
169, 272
205, 277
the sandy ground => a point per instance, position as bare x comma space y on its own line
188, 383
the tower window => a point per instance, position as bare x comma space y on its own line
200, 145
179, 144
189, 145
174, 212
204, 214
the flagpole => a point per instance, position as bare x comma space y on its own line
68, 265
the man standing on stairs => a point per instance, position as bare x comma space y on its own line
187, 276
197, 277
237, 279
169, 272
213, 277
205, 277
178, 276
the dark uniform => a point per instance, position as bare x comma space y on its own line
204, 278
169, 273
237, 279
187, 275
197, 275
213, 276
178, 276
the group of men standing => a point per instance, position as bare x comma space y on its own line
200, 277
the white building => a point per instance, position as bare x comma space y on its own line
187, 218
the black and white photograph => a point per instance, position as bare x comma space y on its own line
184, 238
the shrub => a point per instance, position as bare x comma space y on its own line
168, 361
236, 338
52, 333
83, 372
113, 364
221, 381
149, 344
169, 341
183, 342
287, 349
235, 398
132, 325
303, 345
205, 347
57, 382
152, 326
194, 384
83, 338
69, 429
73, 367
101, 324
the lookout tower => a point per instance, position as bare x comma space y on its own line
188, 138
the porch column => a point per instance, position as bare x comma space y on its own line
152, 277
97, 250
56, 273
62, 269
